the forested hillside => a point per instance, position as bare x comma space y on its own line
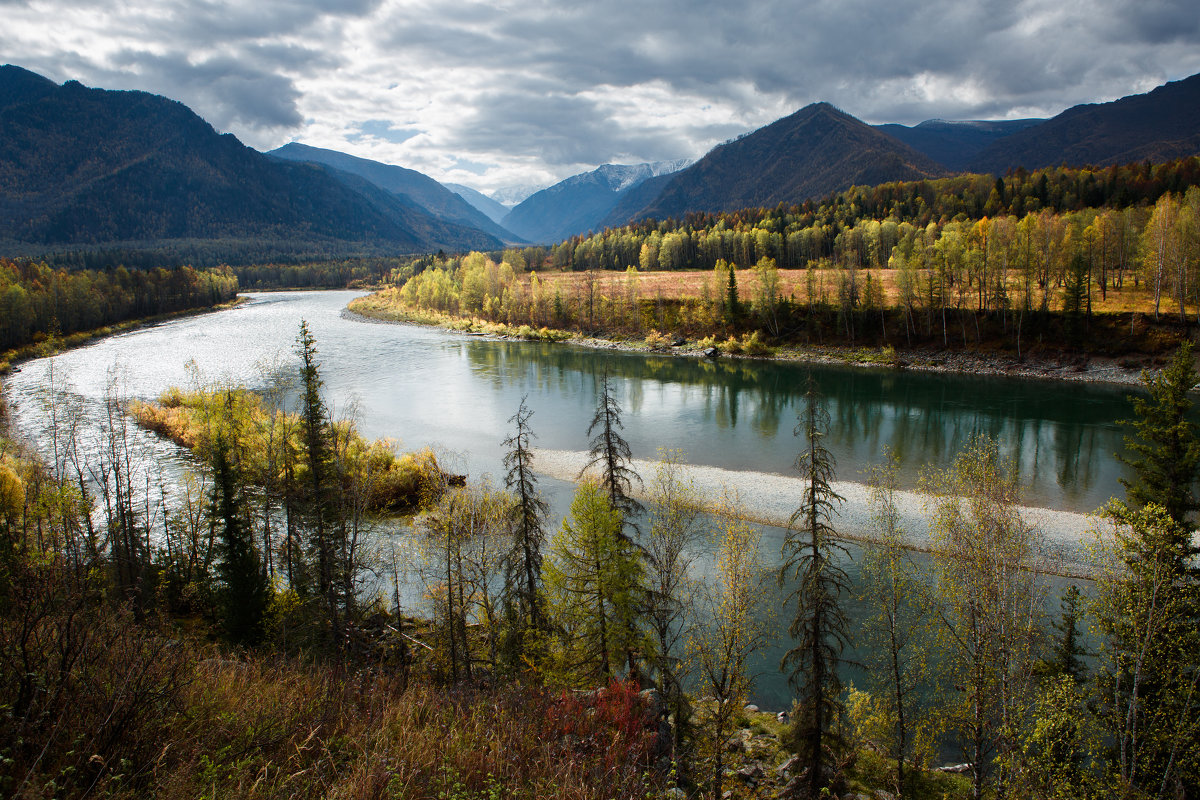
1157, 126
86, 168
809, 154
968, 261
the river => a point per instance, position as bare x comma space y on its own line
456, 393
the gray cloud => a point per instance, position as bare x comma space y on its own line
542, 88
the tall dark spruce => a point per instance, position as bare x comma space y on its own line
610, 453
819, 628
523, 568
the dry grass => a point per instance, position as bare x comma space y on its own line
94, 702
684, 284
258, 729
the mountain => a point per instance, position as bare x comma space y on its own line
493, 210
512, 195
84, 167
422, 190
953, 143
634, 200
814, 152
579, 203
1158, 126
19, 86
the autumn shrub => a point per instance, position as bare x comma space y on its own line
88, 695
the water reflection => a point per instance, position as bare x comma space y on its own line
740, 414
427, 386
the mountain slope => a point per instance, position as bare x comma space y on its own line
87, 167
19, 85
1157, 126
491, 209
953, 143
812, 153
422, 190
634, 200
580, 203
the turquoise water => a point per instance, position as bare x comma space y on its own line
456, 393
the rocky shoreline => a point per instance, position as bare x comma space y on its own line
1073, 367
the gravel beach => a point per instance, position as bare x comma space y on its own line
770, 499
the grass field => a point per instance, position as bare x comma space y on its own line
690, 283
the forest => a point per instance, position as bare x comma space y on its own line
1054, 278
37, 300
307, 613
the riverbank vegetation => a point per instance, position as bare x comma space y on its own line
38, 302
1094, 261
268, 626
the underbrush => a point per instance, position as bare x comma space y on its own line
396, 482
94, 702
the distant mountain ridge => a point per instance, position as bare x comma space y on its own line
954, 143
84, 167
423, 191
1160, 125
490, 208
812, 153
581, 202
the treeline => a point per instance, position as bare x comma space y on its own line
38, 300
333, 274
262, 269
798, 235
199, 253
996, 279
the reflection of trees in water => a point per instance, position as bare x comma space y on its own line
1060, 437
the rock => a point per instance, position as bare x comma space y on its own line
678, 341
880, 794
783, 717
793, 788
653, 699
787, 769
751, 773
954, 769
751, 707
733, 744
712, 352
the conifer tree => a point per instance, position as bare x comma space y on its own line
1069, 651
732, 307
1164, 448
314, 428
244, 590
611, 454
524, 565
818, 628
592, 580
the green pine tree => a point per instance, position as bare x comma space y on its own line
592, 579
1164, 450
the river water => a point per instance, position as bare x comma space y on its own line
456, 393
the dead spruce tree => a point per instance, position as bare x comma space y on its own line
819, 628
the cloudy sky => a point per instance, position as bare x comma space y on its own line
531, 91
